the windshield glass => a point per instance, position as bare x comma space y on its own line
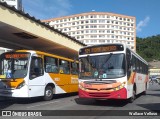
14, 65
102, 67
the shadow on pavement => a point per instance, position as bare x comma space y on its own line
158, 95
10, 101
152, 106
113, 103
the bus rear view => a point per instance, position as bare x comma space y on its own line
104, 72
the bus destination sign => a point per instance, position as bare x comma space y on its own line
16, 56
101, 49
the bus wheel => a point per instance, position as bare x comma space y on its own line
48, 94
131, 99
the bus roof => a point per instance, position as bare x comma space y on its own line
43, 53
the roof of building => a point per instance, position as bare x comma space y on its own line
89, 13
39, 21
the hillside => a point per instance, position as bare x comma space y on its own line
149, 48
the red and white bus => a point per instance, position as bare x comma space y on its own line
111, 71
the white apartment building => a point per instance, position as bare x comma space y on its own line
15, 3
98, 27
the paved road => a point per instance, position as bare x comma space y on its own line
143, 103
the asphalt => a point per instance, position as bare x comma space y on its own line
94, 109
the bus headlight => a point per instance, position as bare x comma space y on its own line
21, 85
81, 86
120, 86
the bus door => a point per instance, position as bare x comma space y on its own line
36, 77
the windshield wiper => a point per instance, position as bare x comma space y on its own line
103, 64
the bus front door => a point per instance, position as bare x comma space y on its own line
36, 77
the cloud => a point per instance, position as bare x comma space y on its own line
45, 9
143, 23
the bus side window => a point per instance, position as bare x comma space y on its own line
133, 63
36, 68
51, 65
64, 67
74, 68
128, 57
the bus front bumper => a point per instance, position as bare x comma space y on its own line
120, 94
23, 92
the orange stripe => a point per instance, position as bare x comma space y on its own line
13, 83
132, 78
69, 83
100, 86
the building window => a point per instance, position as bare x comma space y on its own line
101, 21
101, 26
93, 41
101, 36
87, 21
73, 23
93, 31
102, 41
86, 16
87, 26
78, 37
73, 18
87, 31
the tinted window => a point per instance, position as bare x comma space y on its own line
51, 65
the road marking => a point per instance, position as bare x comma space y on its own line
42, 104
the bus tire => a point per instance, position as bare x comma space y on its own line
48, 94
131, 99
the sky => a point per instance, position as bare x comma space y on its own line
146, 11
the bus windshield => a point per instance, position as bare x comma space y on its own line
13, 65
102, 67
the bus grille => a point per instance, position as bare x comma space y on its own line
99, 94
